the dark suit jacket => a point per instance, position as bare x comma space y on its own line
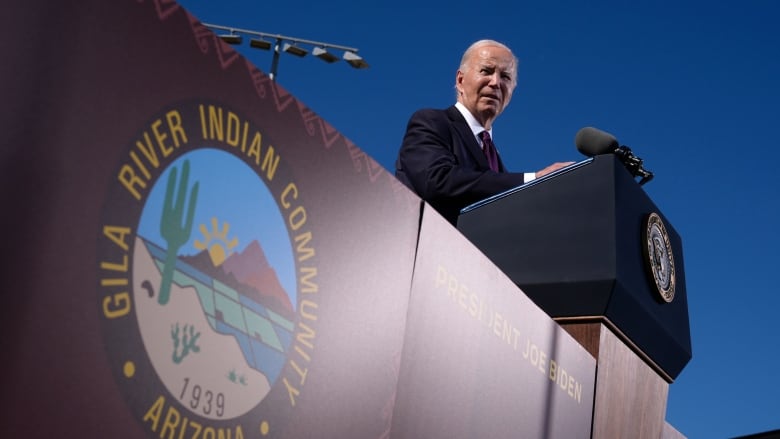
441, 161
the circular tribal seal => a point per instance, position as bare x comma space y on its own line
659, 259
204, 250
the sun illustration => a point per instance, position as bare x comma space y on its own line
216, 242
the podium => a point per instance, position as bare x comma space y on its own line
593, 251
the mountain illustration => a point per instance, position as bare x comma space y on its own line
251, 268
249, 273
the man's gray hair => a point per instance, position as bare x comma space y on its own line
476, 45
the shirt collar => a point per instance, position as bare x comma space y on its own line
475, 126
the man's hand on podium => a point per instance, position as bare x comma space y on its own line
552, 168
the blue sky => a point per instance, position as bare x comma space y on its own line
690, 86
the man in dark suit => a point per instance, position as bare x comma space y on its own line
443, 155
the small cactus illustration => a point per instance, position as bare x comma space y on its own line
184, 344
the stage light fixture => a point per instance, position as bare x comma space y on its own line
323, 54
295, 50
259, 43
231, 38
355, 60
278, 43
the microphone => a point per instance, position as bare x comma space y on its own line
592, 141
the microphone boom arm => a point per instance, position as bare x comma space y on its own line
633, 164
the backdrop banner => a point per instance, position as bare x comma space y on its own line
195, 252
192, 252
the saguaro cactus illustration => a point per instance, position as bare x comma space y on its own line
175, 233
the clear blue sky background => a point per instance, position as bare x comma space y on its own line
691, 86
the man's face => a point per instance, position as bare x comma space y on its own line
486, 83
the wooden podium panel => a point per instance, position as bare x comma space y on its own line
630, 397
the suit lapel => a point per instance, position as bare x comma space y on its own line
467, 137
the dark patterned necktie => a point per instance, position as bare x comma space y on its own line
490, 151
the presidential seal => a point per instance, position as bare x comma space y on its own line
659, 258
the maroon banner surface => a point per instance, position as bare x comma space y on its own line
196, 253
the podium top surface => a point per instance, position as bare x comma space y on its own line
527, 185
